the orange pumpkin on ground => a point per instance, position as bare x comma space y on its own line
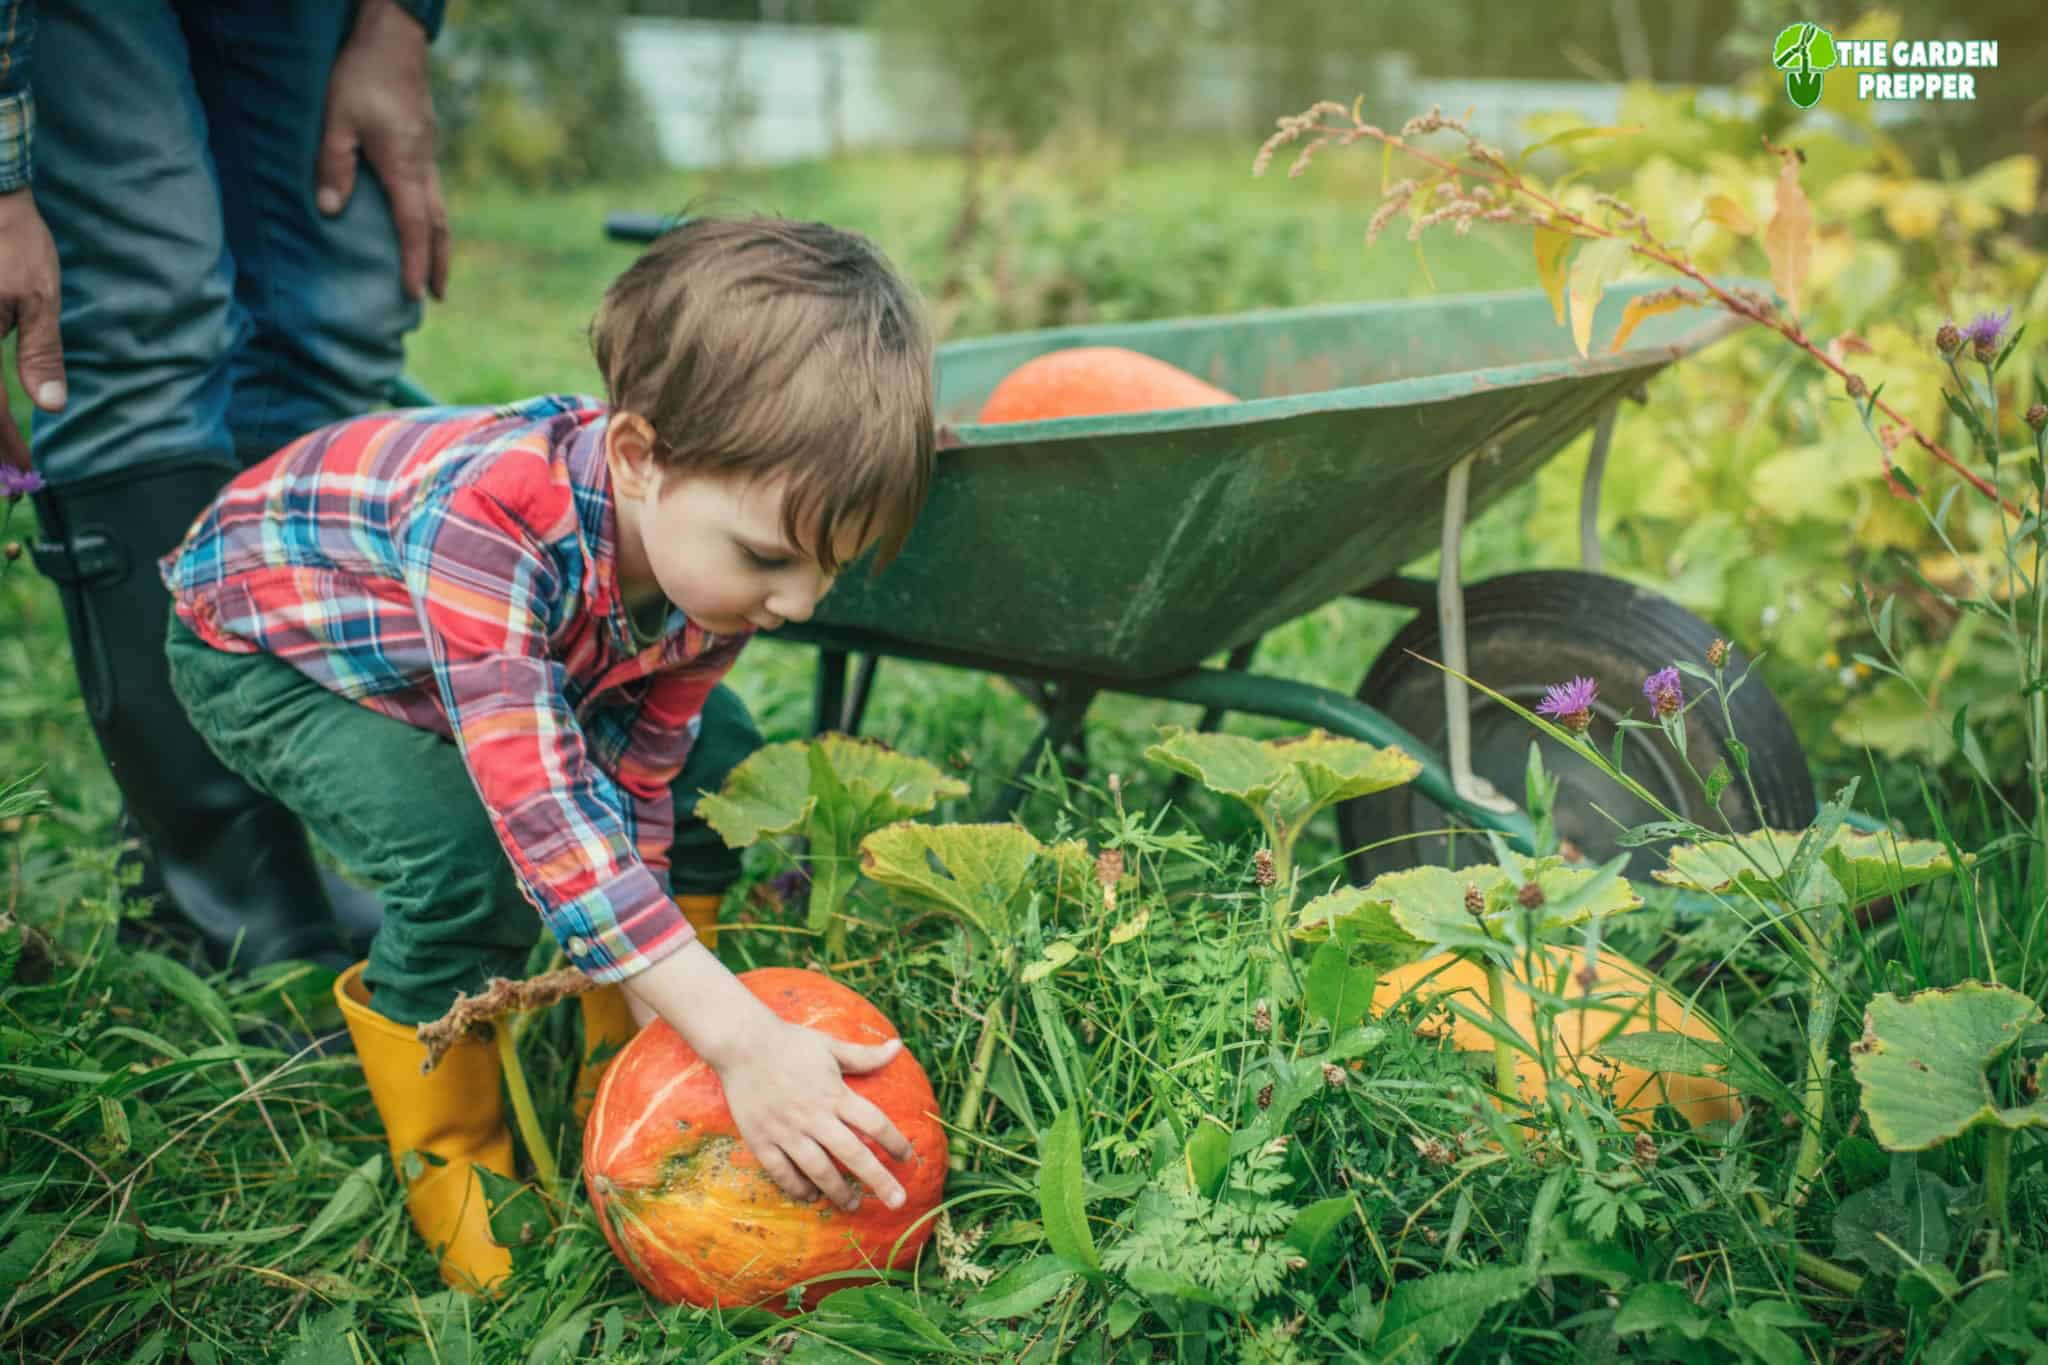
1090, 381
690, 1211
1631, 1007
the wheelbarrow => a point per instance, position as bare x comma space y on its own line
1090, 555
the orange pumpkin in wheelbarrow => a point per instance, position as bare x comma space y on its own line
690, 1211
1093, 381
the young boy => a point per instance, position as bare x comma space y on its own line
477, 651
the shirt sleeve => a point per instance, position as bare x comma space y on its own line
475, 573
17, 102
428, 12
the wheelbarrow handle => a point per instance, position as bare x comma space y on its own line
636, 227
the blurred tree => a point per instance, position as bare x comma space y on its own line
536, 93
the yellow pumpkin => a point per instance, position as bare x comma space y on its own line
1635, 1002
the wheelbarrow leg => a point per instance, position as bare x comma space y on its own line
828, 692
1450, 609
1063, 721
863, 685
1589, 490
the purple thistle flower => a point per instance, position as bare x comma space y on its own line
1571, 703
1664, 692
1987, 327
17, 483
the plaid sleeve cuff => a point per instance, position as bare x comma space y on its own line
428, 12
641, 926
17, 140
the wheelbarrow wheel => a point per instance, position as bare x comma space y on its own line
1525, 632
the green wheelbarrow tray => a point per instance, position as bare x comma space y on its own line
1134, 546
1117, 553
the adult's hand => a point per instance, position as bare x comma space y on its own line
378, 105
28, 305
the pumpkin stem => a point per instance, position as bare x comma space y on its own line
1820, 1025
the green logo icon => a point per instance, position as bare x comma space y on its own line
1802, 52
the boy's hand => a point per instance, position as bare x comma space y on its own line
798, 1116
28, 304
784, 1083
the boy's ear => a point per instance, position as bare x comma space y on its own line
629, 450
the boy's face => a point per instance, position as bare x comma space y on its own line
712, 545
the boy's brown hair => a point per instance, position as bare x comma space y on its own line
762, 346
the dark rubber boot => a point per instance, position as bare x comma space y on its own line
233, 862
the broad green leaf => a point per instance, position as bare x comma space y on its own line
1230, 765
1658, 1305
1060, 1205
1570, 135
1331, 769
1598, 265
1359, 912
1921, 1063
1427, 904
1722, 867
1021, 1288
1295, 777
1425, 1317
1313, 1232
1551, 249
833, 791
1208, 1155
1873, 865
972, 871
1334, 991
1908, 1213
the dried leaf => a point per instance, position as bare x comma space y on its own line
1648, 306
1789, 239
1551, 248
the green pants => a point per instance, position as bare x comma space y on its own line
395, 804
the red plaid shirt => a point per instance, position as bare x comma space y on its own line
454, 568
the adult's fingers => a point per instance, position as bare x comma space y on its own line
405, 185
784, 1173
856, 1156
815, 1162
40, 357
438, 239
334, 179
861, 1058
866, 1116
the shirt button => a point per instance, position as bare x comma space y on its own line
579, 946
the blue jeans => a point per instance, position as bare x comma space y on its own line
211, 313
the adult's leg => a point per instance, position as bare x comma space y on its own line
143, 445
326, 307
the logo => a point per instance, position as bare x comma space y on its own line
1802, 52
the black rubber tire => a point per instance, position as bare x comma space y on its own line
1527, 631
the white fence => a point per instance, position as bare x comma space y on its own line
768, 94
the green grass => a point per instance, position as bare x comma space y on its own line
171, 1192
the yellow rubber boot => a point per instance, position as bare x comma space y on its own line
456, 1113
608, 1020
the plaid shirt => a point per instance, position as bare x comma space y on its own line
455, 569
18, 106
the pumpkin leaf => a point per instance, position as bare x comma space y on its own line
1552, 246
1334, 991
1292, 778
1878, 864
832, 791
1850, 868
974, 872
1644, 306
1060, 1205
1921, 1063
1230, 765
1788, 241
1407, 912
